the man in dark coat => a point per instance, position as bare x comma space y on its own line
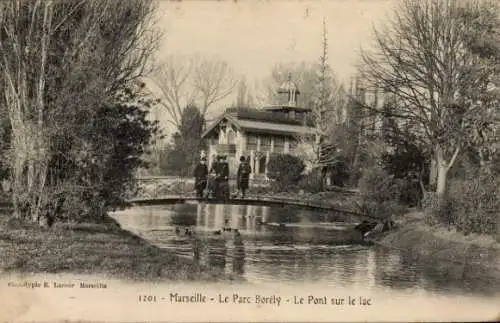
243, 175
212, 182
221, 176
200, 177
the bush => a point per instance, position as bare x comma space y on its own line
381, 210
285, 168
380, 193
377, 185
411, 193
473, 205
312, 183
339, 171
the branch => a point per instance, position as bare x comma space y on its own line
455, 155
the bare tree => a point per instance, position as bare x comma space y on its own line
214, 81
189, 80
174, 80
422, 57
244, 97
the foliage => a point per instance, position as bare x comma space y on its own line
473, 205
78, 123
382, 210
285, 169
380, 193
312, 182
376, 184
338, 170
351, 136
182, 155
407, 160
97, 169
5, 134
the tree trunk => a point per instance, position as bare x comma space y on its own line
442, 175
433, 173
443, 168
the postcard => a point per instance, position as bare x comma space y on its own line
237, 161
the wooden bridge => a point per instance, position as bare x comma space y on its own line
162, 190
255, 200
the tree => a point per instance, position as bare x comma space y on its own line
319, 91
192, 80
214, 81
174, 80
63, 64
328, 105
100, 170
351, 135
244, 97
5, 135
423, 58
184, 152
285, 169
482, 41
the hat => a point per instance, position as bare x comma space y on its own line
242, 158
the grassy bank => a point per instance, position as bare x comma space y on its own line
451, 254
90, 249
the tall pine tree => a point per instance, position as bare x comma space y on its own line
184, 151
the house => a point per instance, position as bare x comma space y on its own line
259, 133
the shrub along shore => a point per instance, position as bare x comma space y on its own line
89, 248
449, 253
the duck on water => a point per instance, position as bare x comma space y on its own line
366, 230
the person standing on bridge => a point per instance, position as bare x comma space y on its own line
200, 177
243, 176
221, 177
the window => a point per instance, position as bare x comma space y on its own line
252, 142
231, 136
262, 164
292, 146
279, 145
265, 143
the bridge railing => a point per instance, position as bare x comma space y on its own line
160, 186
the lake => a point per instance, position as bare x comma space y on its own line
286, 245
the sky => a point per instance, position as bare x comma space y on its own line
254, 35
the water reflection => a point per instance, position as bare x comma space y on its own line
264, 244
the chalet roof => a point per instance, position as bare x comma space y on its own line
260, 126
274, 128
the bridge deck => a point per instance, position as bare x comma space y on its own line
176, 199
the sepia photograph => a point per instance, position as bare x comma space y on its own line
249, 160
